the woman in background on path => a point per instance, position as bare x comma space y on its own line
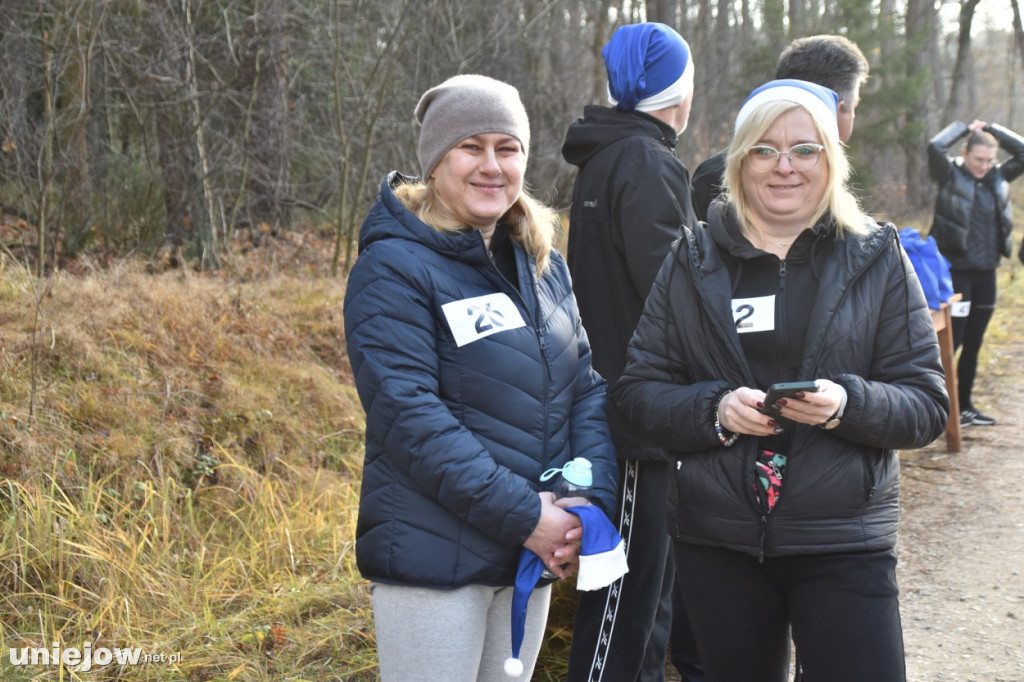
474, 371
786, 514
972, 228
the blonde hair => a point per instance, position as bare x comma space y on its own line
531, 223
837, 199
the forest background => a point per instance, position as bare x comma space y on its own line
130, 126
181, 186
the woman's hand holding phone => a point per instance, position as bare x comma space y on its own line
809, 402
791, 389
748, 410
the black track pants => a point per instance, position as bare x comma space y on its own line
621, 633
843, 609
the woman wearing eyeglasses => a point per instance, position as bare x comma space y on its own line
786, 514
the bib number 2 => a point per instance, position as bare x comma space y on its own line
754, 314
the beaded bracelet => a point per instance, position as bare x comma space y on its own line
720, 431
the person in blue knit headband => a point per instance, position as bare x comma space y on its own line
630, 199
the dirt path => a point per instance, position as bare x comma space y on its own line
961, 543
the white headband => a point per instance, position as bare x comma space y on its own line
821, 112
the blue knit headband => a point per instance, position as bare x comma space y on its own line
649, 67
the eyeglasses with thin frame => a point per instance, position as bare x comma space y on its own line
802, 157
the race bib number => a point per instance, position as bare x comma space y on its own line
960, 309
754, 314
472, 319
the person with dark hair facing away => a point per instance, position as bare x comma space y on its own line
972, 227
829, 60
630, 198
787, 510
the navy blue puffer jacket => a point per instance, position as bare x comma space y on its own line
457, 436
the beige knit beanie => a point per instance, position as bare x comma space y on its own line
464, 106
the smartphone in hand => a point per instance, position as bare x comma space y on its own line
786, 389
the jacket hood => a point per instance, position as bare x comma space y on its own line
390, 219
600, 127
725, 230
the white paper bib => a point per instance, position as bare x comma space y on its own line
472, 319
754, 314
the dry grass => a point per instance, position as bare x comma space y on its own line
180, 461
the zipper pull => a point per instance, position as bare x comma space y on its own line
782, 274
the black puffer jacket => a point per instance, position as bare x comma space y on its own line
869, 329
957, 187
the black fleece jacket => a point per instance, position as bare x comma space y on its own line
630, 200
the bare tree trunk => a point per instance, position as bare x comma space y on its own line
888, 46
773, 13
208, 243
15, 79
269, 138
719, 99
164, 82
747, 22
602, 32
921, 20
1018, 41
172, 159
797, 12
700, 38
1018, 29
663, 11
45, 166
708, 72
956, 107
73, 129
371, 100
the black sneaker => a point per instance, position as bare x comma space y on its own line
982, 419
967, 417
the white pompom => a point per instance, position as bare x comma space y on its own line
513, 667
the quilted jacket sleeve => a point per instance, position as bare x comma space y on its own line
590, 435
901, 402
1013, 167
939, 162
656, 397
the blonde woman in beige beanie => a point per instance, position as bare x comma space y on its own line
474, 371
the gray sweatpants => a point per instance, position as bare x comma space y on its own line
461, 635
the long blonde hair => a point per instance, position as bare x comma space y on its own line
837, 199
531, 223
